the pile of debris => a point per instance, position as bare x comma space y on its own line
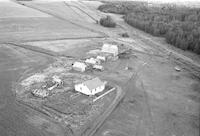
48, 87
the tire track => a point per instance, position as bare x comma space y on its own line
95, 20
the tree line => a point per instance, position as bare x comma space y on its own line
179, 25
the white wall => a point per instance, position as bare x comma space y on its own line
83, 89
97, 90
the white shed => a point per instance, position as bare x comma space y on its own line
79, 66
91, 87
109, 48
98, 67
102, 58
92, 61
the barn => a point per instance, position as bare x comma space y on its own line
79, 66
110, 48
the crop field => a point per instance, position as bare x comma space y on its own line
59, 8
20, 23
76, 47
29, 29
77, 13
59, 45
15, 62
10, 9
65, 10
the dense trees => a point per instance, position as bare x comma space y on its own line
107, 22
179, 25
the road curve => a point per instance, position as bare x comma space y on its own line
91, 130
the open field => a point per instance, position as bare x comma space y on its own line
77, 13
75, 48
20, 23
12, 10
14, 63
60, 45
31, 29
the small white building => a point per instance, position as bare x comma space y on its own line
98, 67
92, 61
79, 66
101, 58
91, 87
110, 48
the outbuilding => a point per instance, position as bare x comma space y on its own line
101, 58
91, 87
79, 66
92, 61
110, 48
98, 67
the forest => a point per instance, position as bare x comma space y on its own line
179, 25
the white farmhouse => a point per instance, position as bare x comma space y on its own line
109, 48
91, 87
79, 66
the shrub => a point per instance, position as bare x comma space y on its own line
124, 35
107, 22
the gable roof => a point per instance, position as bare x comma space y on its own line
79, 64
110, 48
93, 83
91, 60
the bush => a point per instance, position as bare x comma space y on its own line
107, 22
124, 35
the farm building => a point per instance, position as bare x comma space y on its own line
91, 87
79, 66
92, 61
101, 58
109, 48
98, 67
